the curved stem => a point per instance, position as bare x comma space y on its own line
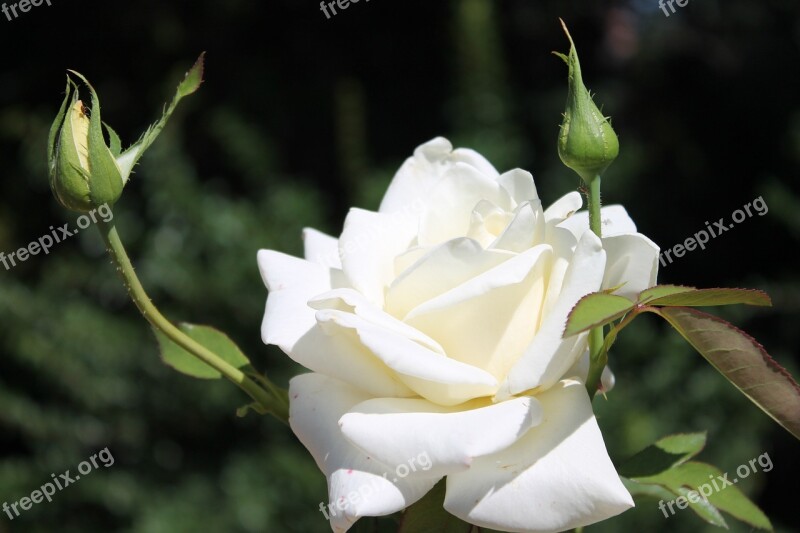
276, 406
597, 356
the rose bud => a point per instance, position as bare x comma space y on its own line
587, 144
84, 173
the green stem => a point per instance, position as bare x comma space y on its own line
597, 357
593, 197
277, 405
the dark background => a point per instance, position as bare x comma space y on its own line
301, 117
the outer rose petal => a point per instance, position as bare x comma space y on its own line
291, 324
519, 184
368, 246
321, 248
549, 356
557, 477
614, 220
564, 207
394, 430
356, 483
291, 283
410, 186
632, 260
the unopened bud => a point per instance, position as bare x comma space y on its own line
587, 144
83, 170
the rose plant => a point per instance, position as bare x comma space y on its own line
462, 322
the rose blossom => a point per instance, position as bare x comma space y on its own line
435, 326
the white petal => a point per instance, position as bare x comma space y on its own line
321, 248
557, 477
291, 283
564, 207
452, 200
549, 356
354, 302
488, 321
291, 324
341, 354
519, 184
525, 230
632, 260
487, 221
409, 189
442, 268
358, 484
368, 247
614, 220
564, 244
431, 374
448, 439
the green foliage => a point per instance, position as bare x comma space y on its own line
663, 471
675, 295
594, 310
742, 360
181, 360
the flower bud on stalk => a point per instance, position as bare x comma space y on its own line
84, 173
587, 144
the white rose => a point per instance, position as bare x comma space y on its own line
433, 329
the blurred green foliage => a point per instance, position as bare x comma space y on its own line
302, 117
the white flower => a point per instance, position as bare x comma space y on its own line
434, 327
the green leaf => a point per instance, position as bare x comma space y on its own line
709, 493
660, 291
742, 360
594, 310
665, 453
191, 82
652, 490
216, 341
673, 295
428, 514
193, 78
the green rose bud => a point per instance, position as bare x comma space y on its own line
84, 173
587, 144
